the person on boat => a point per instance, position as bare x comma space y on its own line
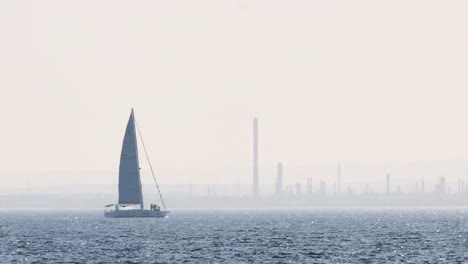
116, 207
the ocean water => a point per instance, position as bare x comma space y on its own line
238, 236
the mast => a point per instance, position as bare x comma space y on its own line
151, 167
138, 162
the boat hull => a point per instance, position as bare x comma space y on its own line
136, 214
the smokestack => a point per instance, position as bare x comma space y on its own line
255, 165
339, 177
279, 180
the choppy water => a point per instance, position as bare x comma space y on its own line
264, 236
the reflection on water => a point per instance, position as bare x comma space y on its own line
264, 236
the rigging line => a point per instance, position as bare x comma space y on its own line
151, 167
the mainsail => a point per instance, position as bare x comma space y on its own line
129, 170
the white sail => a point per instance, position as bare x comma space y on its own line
129, 170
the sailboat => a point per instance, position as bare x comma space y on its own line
130, 202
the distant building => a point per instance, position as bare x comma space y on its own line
309, 185
279, 179
339, 177
440, 187
322, 187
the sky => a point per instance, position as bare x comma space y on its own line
357, 81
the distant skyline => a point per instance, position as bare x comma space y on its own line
330, 81
354, 174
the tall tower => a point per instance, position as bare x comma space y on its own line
279, 180
255, 162
339, 177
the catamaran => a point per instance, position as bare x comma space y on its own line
130, 192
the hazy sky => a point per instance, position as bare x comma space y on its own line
329, 80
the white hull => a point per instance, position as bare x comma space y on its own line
136, 213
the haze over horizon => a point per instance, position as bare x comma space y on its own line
359, 82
